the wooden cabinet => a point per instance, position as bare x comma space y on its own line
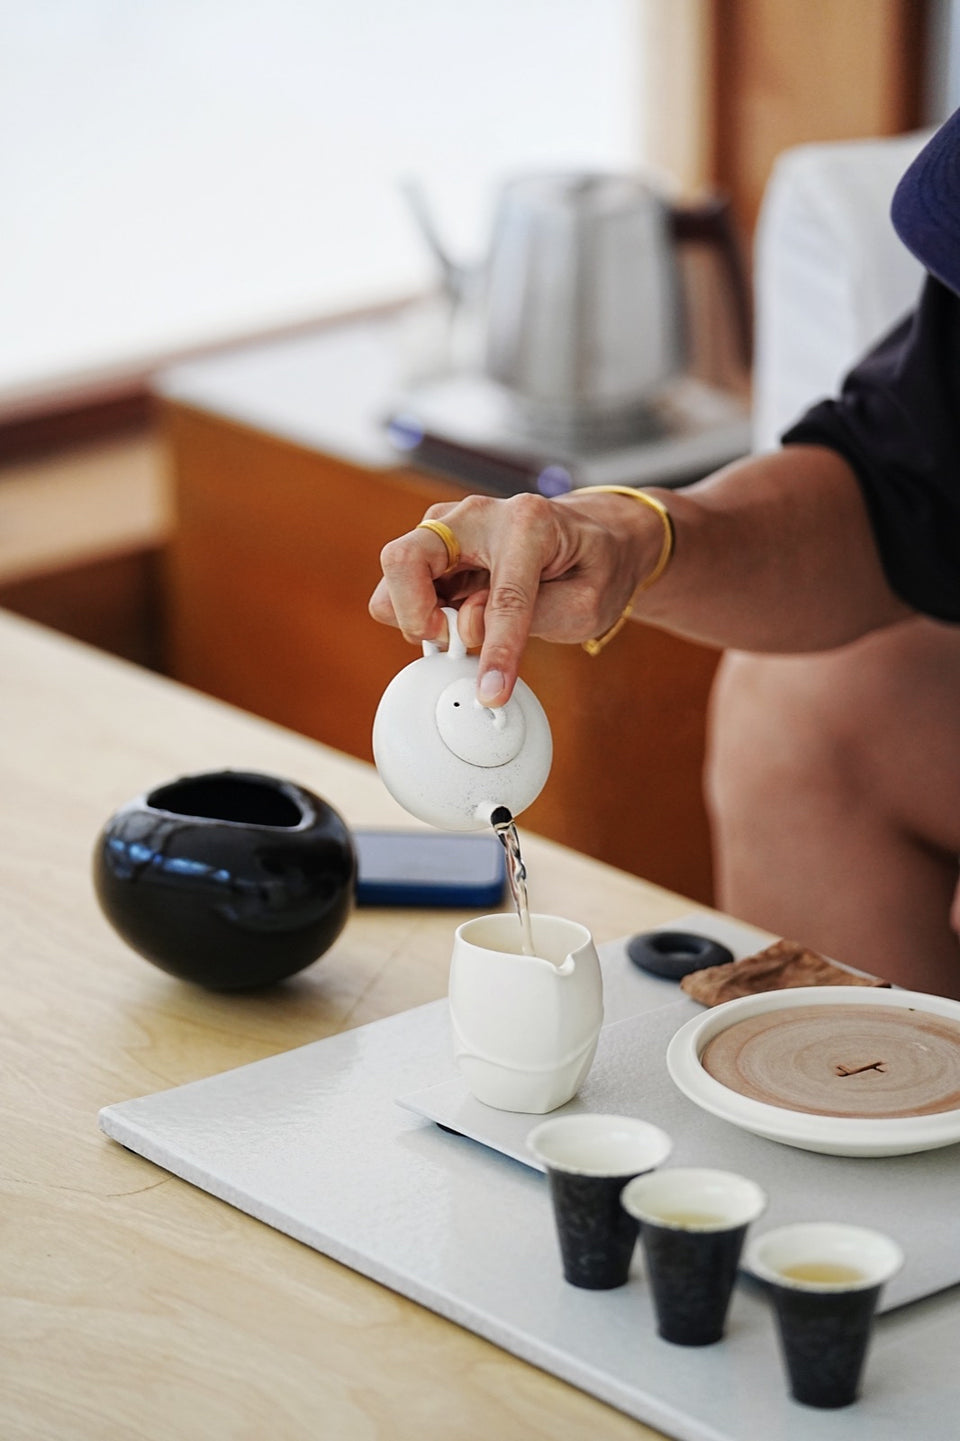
274, 554
81, 533
787, 74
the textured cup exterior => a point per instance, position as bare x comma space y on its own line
525, 1028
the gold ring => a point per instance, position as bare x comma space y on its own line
450, 541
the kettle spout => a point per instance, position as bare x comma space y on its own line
456, 278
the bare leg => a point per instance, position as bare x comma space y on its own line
833, 782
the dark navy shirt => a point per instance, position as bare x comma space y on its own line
897, 423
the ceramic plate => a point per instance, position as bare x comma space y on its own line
846, 1070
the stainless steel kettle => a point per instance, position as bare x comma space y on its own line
581, 302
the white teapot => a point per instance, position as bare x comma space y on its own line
449, 760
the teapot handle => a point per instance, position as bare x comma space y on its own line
711, 223
456, 649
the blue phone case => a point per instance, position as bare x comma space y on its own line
429, 868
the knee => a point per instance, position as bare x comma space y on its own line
776, 736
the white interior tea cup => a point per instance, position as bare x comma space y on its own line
693, 1222
593, 1144
824, 1256
824, 1280
588, 1159
695, 1198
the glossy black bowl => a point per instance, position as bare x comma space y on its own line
230, 879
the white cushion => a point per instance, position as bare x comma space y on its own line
831, 276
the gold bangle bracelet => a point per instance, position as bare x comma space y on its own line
595, 646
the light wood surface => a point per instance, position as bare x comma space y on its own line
133, 1305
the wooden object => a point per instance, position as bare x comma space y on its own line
729, 84
785, 74
133, 1304
81, 534
272, 562
115, 603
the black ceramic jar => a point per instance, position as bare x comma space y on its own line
230, 879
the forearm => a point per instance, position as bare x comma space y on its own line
774, 553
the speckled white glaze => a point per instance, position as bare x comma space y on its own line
447, 759
525, 1028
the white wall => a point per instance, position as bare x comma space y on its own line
175, 172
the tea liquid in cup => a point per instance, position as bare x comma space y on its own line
825, 1281
692, 1227
589, 1159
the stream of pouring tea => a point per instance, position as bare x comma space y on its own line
506, 830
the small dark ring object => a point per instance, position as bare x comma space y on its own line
675, 954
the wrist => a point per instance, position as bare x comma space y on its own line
656, 538
640, 517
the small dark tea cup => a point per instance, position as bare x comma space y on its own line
693, 1222
588, 1160
824, 1281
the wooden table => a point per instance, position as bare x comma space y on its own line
133, 1305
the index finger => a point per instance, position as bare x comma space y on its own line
516, 570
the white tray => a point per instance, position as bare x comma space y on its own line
313, 1143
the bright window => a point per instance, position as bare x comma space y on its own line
178, 173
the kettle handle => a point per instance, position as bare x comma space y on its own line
456, 649
711, 223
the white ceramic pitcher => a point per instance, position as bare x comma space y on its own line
525, 1028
